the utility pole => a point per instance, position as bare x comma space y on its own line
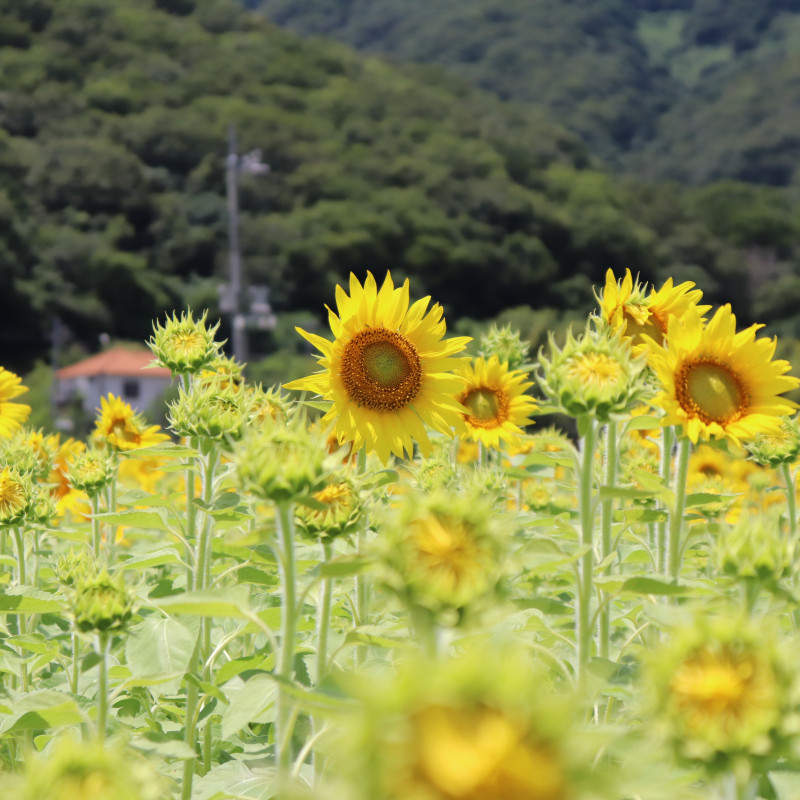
234, 164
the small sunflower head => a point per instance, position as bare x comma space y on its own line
72, 770
332, 512
212, 409
183, 344
120, 428
16, 494
100, 603
42, 506
506, 344
594, 374
726, 691
223, 370
755, 549
12, 414
31, 452
546, 496
281, 462
775, 449
92, 470
442, 553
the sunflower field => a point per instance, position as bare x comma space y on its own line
385, 581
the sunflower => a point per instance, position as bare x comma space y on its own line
719, 383
12, 415
495, 404
627, 308
387, 372
121, 428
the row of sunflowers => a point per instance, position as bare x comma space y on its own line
383, 586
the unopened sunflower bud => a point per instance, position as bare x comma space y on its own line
42, 506
336, 512
281, 462
755, 549
75, 565
212, 409
224, 370
265, 406
15, 497
594, 374
184, 345
506, 344
775, 449
30, 453
92, 471
85, 771
101, 603
435, 472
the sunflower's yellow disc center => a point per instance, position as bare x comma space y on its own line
595, 370
488, 406
187, 342
483, 403
12, 497
381, 370
711, 391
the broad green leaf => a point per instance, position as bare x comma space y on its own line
359, 637
704, 498
136, 518
155, 559
232, 602
161, 647
786, 784
643, 585
27, 600
239, 665
615, 492
41, 710
257, 576
164, 449
251, 702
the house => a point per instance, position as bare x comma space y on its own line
122, 371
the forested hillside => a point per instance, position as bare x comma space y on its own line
113, 125
695, 90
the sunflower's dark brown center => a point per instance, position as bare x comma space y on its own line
711, 391
381, 370
488, 406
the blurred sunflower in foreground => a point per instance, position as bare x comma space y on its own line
388, 372
717, 383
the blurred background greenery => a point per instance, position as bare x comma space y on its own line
502, 154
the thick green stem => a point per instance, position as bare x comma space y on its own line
283, 734
606, 512
791, 499
583, 630
96, 534
189, 733
324, 618
74, 674
667, 439
191, 518
103, 640
19, 543
362, 597
675, 544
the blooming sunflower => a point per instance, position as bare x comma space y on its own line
12, 415
121, 428
626, 307
719, 383
388, 372
495, 404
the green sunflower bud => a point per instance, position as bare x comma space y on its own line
506, 344
184, 345
225, 370
441, 553
435, 472
100, 603
725, 690
92, 471
594, 374
756, 549
85, 771
15, 497
265, 406
73, 566
281, 462
336, 512
30, 453
773, 450
214, 408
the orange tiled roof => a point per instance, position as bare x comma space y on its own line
116, 361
